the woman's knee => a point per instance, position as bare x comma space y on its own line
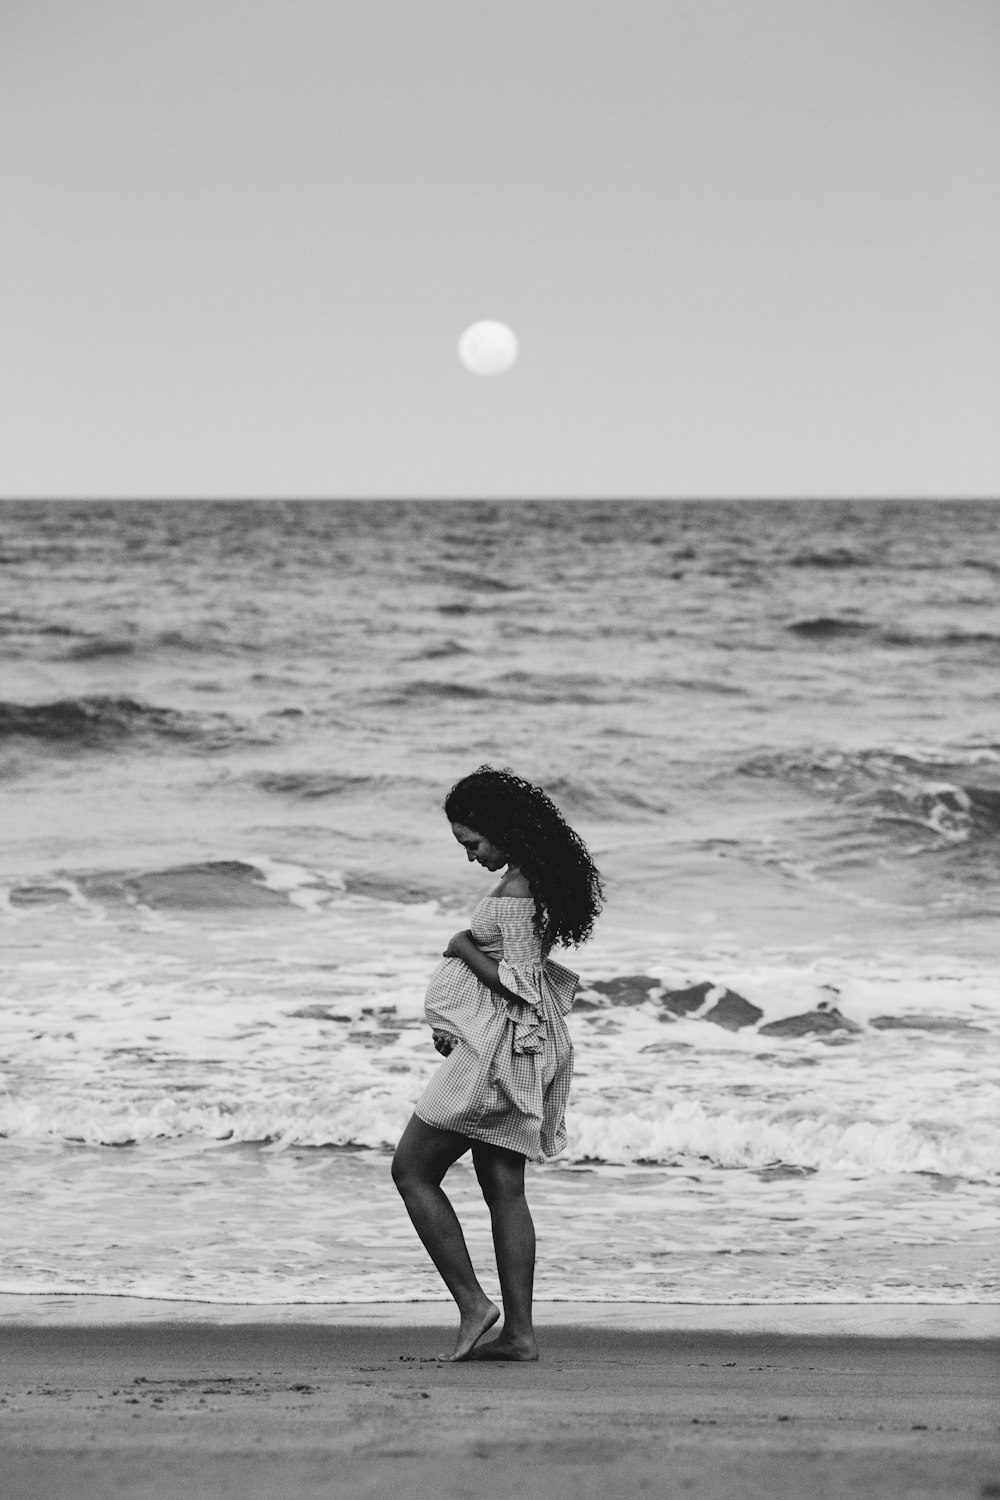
500, 1179
424, 1155
405, 1169
502, 1194
398, 1169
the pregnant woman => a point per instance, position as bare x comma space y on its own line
496, 1005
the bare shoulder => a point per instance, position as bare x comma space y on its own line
514, 884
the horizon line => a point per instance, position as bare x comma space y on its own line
576, 499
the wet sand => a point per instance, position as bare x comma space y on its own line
658, 1402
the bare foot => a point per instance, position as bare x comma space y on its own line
520, 1350
471, 1328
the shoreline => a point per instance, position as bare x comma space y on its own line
926, 1320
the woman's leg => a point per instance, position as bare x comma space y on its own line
501, 1177
422, 1157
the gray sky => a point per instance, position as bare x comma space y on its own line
749, 247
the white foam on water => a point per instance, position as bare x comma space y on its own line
305, 888
182, 1037
253, 1031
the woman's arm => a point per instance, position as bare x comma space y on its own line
487, 969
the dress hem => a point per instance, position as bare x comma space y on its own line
470, 1135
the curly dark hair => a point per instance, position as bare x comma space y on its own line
526, 824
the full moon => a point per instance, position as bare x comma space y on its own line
488, 348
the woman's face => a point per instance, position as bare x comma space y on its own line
478, 848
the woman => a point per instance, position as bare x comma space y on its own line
496, 1005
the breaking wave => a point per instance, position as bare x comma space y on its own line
106, 723
93, 722
937, 791
807, 1135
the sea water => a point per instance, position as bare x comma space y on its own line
226, 732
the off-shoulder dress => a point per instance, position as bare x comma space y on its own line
507, 1079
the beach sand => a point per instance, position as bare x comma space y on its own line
103, 1397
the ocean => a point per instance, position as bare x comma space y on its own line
226, 732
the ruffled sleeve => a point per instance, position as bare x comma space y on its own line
536, 980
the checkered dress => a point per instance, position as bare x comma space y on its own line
507, 1079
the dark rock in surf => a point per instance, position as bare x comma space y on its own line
732, 1012
626, 989
589, 1001
683, 1002
813, 1022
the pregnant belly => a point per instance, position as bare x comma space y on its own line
455, 998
